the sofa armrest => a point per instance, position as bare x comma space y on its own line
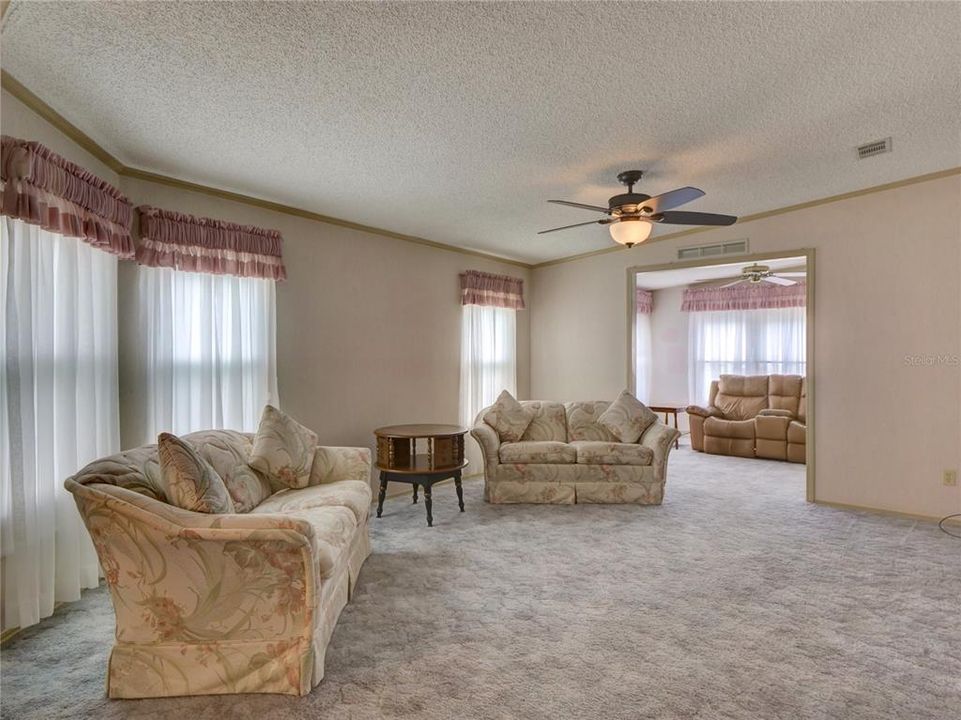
178, 577
797, 432
774, 412
660, 439
489, 442
333, 464
704, 412
696, 417
771, 427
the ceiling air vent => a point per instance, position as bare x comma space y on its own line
878, 147
734, 247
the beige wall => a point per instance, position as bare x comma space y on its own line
368, 327
888, 269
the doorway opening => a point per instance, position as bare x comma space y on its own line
724, 349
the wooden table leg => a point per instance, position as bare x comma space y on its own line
427, 504
415, 494
460, 491
677, 440
382, 494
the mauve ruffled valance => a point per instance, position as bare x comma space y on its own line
195, 244
480, 288
644, 301
42, 188
746, 296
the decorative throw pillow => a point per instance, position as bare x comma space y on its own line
189, 481
627, 418
508, 417
283, 449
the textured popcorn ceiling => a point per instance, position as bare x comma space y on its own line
455, 122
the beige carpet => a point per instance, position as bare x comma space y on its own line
734, 599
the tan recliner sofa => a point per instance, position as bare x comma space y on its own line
753, 416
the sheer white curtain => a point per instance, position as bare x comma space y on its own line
642, 356
744, 342
210, 348
58, 391
488, 357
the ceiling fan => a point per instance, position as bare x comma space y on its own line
757, 274
632, 215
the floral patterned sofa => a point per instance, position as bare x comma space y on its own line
566, 456
231, 603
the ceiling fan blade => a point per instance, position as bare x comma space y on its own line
565, 227
582, 206
791, 274
779, 281
669, 200
694, 218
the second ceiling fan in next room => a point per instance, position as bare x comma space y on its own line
631, 215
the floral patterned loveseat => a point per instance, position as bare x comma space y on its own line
566, 456
234, 603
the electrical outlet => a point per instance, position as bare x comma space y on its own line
950, 478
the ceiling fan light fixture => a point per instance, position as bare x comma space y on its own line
630, 231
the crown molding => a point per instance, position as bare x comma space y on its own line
41, 108
766, 214
136, 174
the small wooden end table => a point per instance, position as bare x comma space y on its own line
399, 461
670, 410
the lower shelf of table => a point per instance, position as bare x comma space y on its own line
422, 467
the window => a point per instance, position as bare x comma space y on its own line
210, 349
488, 362
744, 342
488, 357
61, 234
59, 394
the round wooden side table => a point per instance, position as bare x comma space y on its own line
399, 459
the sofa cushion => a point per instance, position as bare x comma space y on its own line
612, 453
188, 480
784, 392
228, 452
351, 494
741, 397
740, 429
508, 417
582, 421
549, 421
283, 449
546, 452
627, 418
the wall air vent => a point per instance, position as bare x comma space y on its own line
734, 247
878, 147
